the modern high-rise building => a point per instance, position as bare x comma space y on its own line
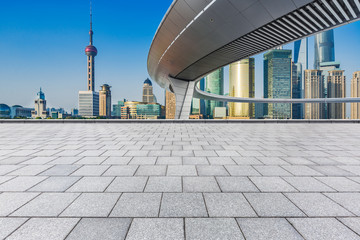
336, 88
40, 106
88, 104
129, 110
242, 85
301, 59
313, 89
198, 105
148, 95
149, 111
89, 100
355, 92
105, 101
296, 88
170, 105
214, 84
277, 83
117, 108
324, 48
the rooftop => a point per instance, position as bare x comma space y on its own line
179, 181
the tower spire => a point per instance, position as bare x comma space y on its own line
91, 31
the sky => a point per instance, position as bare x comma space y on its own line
42, 45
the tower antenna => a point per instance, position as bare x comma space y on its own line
90, 15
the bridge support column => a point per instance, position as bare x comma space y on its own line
184, 91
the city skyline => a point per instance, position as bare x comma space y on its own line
27, 82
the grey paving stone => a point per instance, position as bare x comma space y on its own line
30, 170
121, 170
65, 160
100, 228
182, 153
9, 225
267, 228
137, 205
272, 184
148, 170
212, 228
350, 201
117, 161
236, 184
221, 161
44, 229
297, 161
322, 229
205, 153
91, 160
38, 160
19, 184
92, 205
272, 171
91, 153
211, 170
169, 161
181, 170
5, 178
195, 161
235, 170
200, 184
136, 153
273, 205
247, 161
332, 171
317, 205
143, 161
299, 170
340, 184
156, 228
183, 205
308, 184
160, 153
127, 184
9, 202
91, 184
46, 205
352, 223
114, 153
164, 184
228, 205
272, 161
55, 184
90, 170
6, 169
60, 170
353, 169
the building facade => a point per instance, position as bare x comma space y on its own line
336, 88
313, 89
355, 92
105, 101
170, 105
242, 85
296, 89
149, 111
214, 84
324, 48
40, 106
277, 82
148, 95
5, 111
129, 110
88, 104
117, 108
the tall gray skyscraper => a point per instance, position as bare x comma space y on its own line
324, 48
214, 84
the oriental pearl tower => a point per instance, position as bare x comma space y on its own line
91, 52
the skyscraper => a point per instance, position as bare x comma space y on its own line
355, 92
277, 83
40, 106
89, 100
296, 88
313, 89
198, 105
170, 105
301, 60
336, 89
324, 48
105, 101
242, 85
148, 95
214, 84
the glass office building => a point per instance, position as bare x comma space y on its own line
324, 48
88, 104
148, 111
198, 105
277, 83
214, 84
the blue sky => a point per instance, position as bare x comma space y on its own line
42, 45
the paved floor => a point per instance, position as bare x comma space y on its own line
180, 181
